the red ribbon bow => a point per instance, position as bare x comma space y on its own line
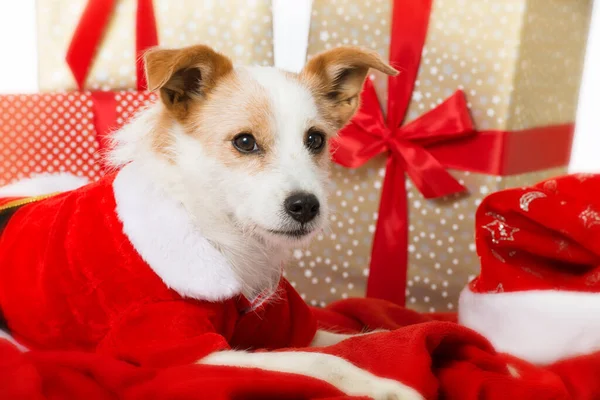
368, 135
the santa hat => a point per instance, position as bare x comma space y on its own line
538, 294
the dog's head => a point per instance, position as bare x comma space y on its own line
251, 142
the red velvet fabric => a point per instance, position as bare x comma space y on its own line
542, 237
70, 279
440, 359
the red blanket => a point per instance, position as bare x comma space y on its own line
428, 352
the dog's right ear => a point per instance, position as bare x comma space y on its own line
337, 76
184, 75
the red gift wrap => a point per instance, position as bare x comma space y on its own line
67, 132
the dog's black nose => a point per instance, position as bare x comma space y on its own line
303, 207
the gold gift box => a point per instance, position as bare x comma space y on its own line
239, 28
519, 63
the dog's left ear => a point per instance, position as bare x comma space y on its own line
184, 75
337, 76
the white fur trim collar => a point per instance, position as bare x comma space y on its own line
540, 326
160, 229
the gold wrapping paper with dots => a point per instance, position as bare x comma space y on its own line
519, 63
239, 28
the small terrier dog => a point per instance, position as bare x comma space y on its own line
230, 166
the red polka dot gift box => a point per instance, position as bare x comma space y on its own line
68, 132
50, 133
485, 100
46, 133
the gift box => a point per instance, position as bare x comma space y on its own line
59, 132
69, 132
47, 133
241, 29
485, 100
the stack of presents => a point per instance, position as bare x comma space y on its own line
485, 101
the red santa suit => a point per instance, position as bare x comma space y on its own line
118, 267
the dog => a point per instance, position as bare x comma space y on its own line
185, 241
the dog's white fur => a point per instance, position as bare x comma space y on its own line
163, 234
205, 227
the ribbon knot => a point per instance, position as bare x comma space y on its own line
407, 146
389, 139
368, 135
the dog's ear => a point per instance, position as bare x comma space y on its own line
183, 75
336, 77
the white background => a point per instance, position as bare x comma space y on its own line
18, 74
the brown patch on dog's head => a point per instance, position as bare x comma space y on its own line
184, 75
336, 78
235, 106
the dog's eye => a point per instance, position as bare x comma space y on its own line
245, 143
315, 140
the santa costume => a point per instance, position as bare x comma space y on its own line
117, 267
538, 294
536, 298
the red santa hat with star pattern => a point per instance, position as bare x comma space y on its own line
538, 294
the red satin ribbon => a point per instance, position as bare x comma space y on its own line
441, 138
146, 36
105, 119
84, 45
90, 30
87, 37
